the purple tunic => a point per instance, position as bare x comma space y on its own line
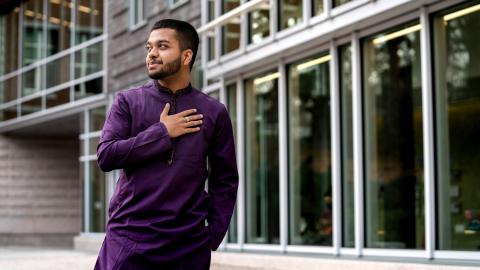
158, 211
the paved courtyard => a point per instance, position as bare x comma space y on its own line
23, 258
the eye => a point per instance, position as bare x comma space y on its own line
148, 48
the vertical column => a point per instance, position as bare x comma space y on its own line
241, 162
273, 18
218, 32
336, 149
86, 174
307, 11
73, 15
243, 29
20, 56
105, 47
43, 70
428, 139
357, 143
327, 7
204, 47
283, 152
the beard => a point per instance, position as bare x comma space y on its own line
166, 70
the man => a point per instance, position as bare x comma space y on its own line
160, 135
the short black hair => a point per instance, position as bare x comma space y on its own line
186, 34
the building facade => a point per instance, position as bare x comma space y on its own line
355, 122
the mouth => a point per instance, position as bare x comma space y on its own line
153, 64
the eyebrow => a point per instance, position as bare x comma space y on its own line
158, 41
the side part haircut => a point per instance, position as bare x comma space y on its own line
186, 34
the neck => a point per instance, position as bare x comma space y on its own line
175, 83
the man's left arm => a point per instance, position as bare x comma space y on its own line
223, 179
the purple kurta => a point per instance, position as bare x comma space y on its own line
158, 211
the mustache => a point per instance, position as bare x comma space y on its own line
158, 62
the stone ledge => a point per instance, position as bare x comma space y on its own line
37, 240
88, 242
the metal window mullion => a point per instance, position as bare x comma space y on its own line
43, 69
243, 29
357, 143
86, 176
327, 7
283, 155
204, 47
336, 149
222, 91
428, 136
72, 44
218, 32
307, 11
273, 18
241, 163
105, 47
20, 56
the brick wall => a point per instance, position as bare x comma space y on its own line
126, 48
39, 191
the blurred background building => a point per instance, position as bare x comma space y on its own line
355, 120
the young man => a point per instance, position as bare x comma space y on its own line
161, 135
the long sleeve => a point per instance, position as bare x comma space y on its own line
117, 150
223, 180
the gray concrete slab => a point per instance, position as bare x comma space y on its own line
25, 258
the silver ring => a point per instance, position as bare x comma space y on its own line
187, 119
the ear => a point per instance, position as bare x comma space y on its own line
187, 57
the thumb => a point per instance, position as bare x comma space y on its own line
166, 109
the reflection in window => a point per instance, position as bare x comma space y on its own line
89, 20
58, 71
232, 110
317, 7
8, 113
393, 139
231, 31
348, 212
310, 188
262, 189
97, 118
31, 106
58, 98
32, 31
259, 24
32, 81
215, 94
8, 90
88, 88
88, 60
337, 3
211, 34
291, 13
9, 27
59, 26
97, 199
457, 76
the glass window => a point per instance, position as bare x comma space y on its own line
8, 113
211, 34
176, 3
31, 106
232, 110
317, 7
32, 81
97, 198
88, 88
59, 26
8, 89
291, 13
231, 30
337, 3
393, 139
32, 31
58, 98
137, 12
348, 212
89, 19
310, 185
215, 94
9, 29
262, 187
457, 76
88, 60
196, 75
58, 71
97, 119
259, 24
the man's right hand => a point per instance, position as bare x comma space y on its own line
181, 123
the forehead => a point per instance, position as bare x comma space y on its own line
163, 34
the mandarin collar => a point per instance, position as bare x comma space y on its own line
167, 90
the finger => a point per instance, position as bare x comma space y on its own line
187, 112
193, 123
166, 109
195, 117
191, 130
